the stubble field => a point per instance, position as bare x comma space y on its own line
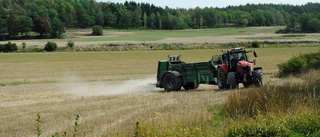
110, 91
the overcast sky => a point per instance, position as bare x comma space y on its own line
211, 3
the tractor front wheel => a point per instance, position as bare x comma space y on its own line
171, 82
232, 81
257, 77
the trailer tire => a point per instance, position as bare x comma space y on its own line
222, 79
190, 86
171, 82
257, 77
232, 81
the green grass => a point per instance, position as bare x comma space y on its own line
289, 109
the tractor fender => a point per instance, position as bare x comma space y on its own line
224, 68
176, 73
257, 68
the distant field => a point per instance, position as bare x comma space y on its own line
81, 37
109, 90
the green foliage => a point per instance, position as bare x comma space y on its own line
38, 130
300, 64
289, 109
13, 25
24, 45
58, 28
50, 46
97, 30
9, 47
274, 98
42, 26
306, 123
70, 44
51, 19
255, 44
76, 126
259, 126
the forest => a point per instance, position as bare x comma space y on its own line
50, 18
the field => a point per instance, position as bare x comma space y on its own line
111, 90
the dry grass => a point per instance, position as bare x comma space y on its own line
61, 85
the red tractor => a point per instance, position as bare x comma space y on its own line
234, 68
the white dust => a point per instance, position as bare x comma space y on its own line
76, 86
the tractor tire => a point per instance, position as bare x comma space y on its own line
257, 77
172, 82
222, 79
190, 86
232, 81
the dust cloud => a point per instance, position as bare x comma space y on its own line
77, 87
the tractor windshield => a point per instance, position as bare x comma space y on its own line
239, 56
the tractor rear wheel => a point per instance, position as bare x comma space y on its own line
172, 82
257, 77
190, 86
222, 79
232, 81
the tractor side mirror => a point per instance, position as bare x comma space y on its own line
254, 61
255, 54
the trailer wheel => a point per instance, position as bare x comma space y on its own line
232, 81
190, 86
222, 80
257, 76
171, 82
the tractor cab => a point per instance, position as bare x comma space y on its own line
236, 56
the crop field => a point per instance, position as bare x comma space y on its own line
110, 91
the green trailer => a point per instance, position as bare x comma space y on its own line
173, 74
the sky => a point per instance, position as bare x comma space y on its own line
211, 3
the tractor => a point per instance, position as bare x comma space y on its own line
234, 68
226, 71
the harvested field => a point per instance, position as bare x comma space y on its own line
110, 91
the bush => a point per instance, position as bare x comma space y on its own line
9, 47
97, 31
50, 46
70, 44
300, 64
24, 45
255, 44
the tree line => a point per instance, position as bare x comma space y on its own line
50, 18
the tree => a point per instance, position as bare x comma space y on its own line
151, 21
293, 23
314, 25
158, 22
26, 25
57, 28
136, 17
3, 27
42, 26
145, 20
13, 25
